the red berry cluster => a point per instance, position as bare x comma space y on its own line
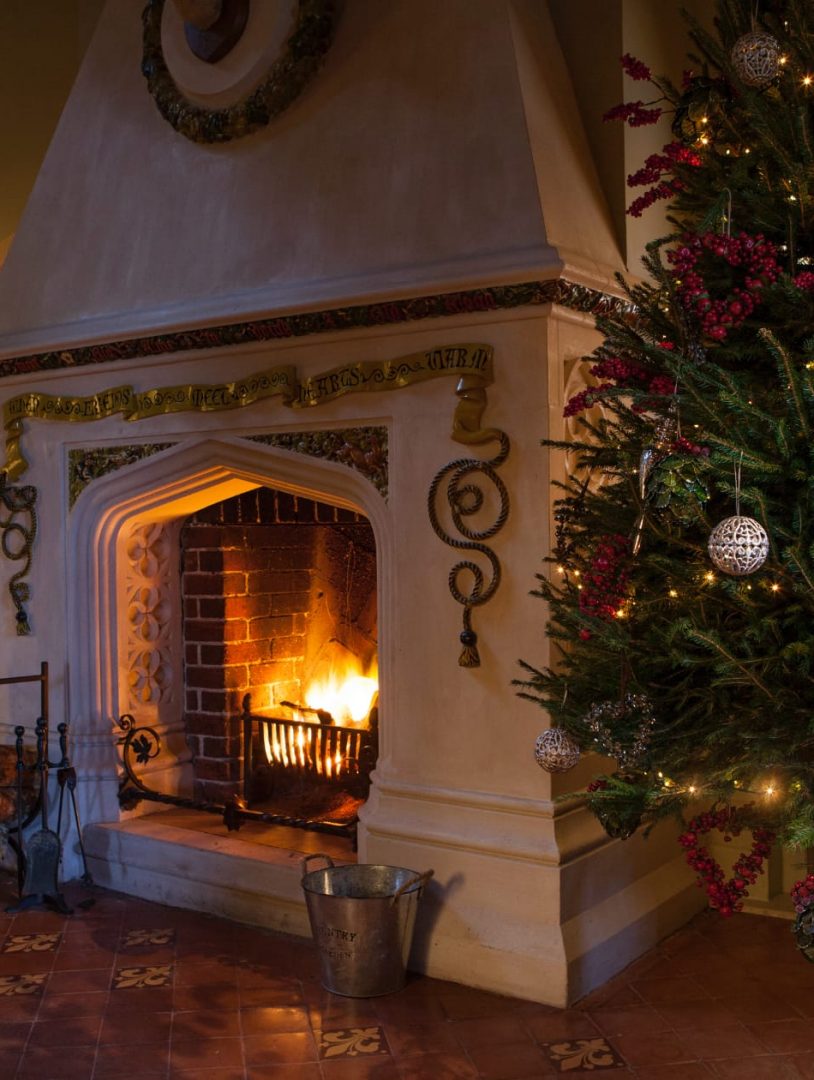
755, 255
684, 446
634, 113
805, 281
802, 893
636, 69
652, 172
597, 785
604, 585
725, 896
626, 375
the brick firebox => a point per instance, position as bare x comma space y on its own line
273, 587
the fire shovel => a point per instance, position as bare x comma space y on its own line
43, 850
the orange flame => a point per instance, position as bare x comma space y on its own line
347, 695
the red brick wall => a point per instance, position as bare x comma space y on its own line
249, 574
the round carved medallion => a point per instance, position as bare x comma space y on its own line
210, 96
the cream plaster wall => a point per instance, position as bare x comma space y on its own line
41, 48
405, 164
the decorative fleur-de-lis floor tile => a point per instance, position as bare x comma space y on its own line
136, 939
31, 943
585, 1054
131, 978
351, 1042
21, 984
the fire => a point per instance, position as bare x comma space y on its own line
298, 745
346, 695
329, 749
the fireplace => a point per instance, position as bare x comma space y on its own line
279, 654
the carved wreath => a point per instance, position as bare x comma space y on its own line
301, 56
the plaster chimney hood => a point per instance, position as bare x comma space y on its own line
438, 148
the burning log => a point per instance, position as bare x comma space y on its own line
322, 715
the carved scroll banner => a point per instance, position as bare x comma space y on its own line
470, 363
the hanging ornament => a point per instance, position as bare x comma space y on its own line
556, 751
756, 58
725, 896
755, 266
601, 718
665, 431
738, 545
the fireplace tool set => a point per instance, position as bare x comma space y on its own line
39, 855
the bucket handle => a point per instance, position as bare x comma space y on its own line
304, 862
419, 879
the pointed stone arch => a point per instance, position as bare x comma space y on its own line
139, 509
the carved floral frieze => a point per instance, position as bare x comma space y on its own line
148, 616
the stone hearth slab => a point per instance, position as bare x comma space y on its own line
187, 859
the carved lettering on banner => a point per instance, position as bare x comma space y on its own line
470, 363
148, 610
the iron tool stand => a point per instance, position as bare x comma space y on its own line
39, 857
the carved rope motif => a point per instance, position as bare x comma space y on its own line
17, 541
465, 498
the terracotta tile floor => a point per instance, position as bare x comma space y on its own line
132, 990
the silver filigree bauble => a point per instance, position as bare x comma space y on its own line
738, 546
556, 751
756, 58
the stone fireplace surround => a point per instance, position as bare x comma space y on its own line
529, 896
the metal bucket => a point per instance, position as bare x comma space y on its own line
362, 919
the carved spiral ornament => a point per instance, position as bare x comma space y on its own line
465, 498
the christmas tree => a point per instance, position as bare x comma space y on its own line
681, 588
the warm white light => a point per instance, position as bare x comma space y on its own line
347, 699
775, 587
673, 594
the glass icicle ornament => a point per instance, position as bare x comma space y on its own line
556, 751
756, 58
